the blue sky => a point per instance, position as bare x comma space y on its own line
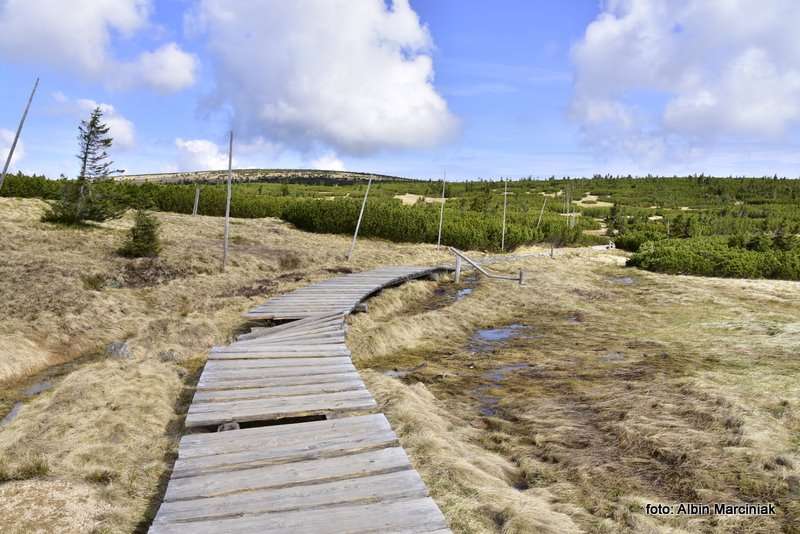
513, 88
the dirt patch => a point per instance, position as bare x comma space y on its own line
409, 199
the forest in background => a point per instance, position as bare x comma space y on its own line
733, 227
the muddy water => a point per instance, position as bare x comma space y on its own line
450, 292
489, 403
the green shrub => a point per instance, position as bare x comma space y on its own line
143, 240
81, 202
714, 257
632, 240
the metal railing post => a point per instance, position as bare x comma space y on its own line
458, 268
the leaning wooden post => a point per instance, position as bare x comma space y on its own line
505, 202
441, 213
358, 224
16, 136
196, 198
458, 268
228, 201
541, 213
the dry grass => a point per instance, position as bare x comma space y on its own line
623, 388
106, 431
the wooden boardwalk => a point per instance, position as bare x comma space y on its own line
330, 465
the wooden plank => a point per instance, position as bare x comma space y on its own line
238, 373
322, 331
215, 413
390, 486
337, 339
285, 391
405, 516
297, 435
260, 354
290, 474
334, 446
281, 381
276, 362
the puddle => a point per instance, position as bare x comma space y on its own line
37, 388
488, 404
461, 293
29, 392
500, 373
611, 357
10, 416
449, 292
486, 339
498, 334
12, 398
623, 280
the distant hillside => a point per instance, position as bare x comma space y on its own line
298, 176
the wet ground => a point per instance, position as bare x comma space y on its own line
13, 397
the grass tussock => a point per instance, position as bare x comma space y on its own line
618, 388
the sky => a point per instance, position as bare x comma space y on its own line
414, 88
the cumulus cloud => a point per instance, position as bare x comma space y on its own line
200, 155
657, 77
77, 35
353, 76
6, 138
119, 128
328, 162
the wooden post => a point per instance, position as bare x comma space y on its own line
505, 202
358, 224
16, 136
196, 198
441, 212
541, 213
521, 277
228, 201
458, 268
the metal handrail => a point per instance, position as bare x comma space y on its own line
460, 255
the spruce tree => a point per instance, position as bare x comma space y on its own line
94, 141
80, 202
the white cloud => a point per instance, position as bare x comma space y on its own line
119, 128
328, 162
77, 36
655, 78
354, 76
6, 138
200, 155
167, 69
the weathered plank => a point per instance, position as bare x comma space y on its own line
334, 445
273, 381
297, 435
276, 362
411, 516
215, 413
285, 391
372, 489
289, 474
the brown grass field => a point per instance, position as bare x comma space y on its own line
615, 388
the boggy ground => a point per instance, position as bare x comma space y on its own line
91, 451
613, 388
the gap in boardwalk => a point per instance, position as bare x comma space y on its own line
283, 421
